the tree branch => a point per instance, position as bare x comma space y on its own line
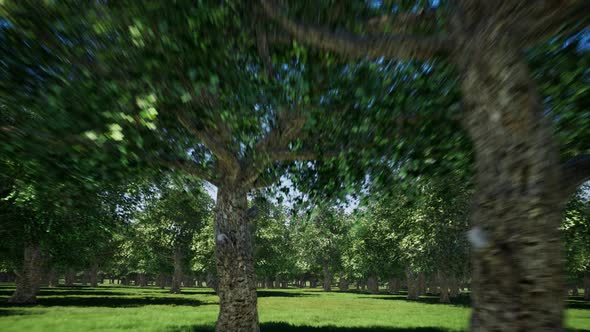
399, 46
575, 172
190, 168
227, 160
551, 18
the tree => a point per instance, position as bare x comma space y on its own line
521, 186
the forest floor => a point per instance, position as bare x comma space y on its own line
118, 308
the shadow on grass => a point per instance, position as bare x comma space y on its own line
577, 302
463, 301
285, 327
112, 302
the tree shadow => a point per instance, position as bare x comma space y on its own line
286, 327
462, 300
282, 294
577, 302
111, 302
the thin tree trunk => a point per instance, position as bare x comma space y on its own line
143, 282
235, 263
70, 277
28, 277
517, 257
421, 283
178, 271
212, 282
327, 284
160, 280
454, 286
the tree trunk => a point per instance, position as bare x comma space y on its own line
327, 276
443, 281
373, 283
143, 280
212, 282
587, 286
93, 275
393, 285
412, 282
235, 263
178, 273
454, 286
160, 280
421, 283
70, 277
517, 258
28, 277
53, 278
343, 284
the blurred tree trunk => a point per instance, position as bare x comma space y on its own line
178, 271
412, 282
393, 285
327, 282
587, 286
28, 276
443, 281
70, 277
343, 284
93, 275
373, 283
53, 278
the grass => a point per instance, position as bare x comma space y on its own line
118, 308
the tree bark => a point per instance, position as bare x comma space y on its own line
70, 277
178, 271
412, 282
160, 280
143, 282
393, 285
93, 275
517, 258
28, 277
443, 281
373, 283
587, 286
53, 278
327, 282
235, 263
343, 284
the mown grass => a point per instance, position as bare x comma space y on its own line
117, 308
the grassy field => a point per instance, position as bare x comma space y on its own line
114, 308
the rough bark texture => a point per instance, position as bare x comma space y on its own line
235, 263
327, 282
28, 277
373, 284
178, 272
517, 256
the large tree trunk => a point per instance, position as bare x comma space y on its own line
412, 282
327, 276
28, 277
517, 258
235, 263
373, 283
178, 271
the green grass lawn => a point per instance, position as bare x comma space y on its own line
114, 308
